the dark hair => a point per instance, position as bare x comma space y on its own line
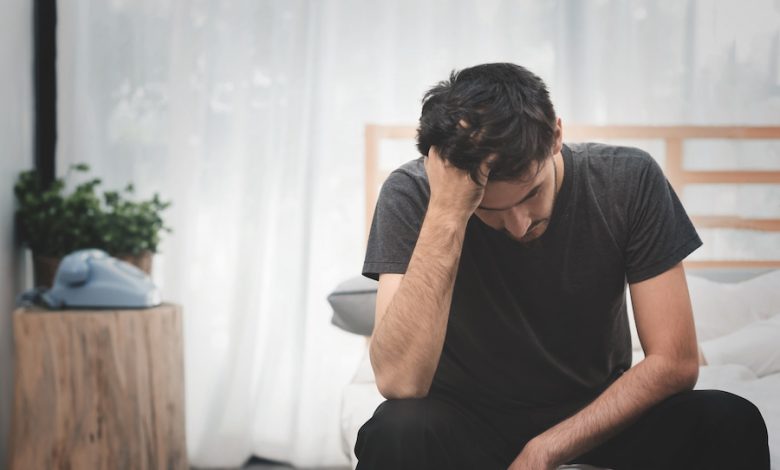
497, 108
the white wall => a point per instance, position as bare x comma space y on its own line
16, 154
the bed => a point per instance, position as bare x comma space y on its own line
736, 300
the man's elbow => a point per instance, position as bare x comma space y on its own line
687, 374
394, 388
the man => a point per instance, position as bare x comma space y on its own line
501, 337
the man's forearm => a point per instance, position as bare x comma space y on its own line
406, 345
638, 389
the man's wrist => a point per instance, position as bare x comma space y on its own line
442, 215
545, 450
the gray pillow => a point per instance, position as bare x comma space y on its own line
353, 304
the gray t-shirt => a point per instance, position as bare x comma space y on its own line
544, 325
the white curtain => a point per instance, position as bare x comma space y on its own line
249, 115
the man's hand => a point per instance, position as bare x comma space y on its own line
453, 191
662, 309
532, 457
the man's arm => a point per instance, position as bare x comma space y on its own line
664, 321
407, 341
412, 316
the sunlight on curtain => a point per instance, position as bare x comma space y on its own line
249, 115
212, 104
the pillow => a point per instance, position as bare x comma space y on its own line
353, 303
721, 308
755, 346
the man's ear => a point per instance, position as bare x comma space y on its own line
558, 138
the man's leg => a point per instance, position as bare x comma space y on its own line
428, 433
698, 429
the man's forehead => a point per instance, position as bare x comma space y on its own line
530, 177
500, 195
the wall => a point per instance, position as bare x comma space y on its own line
16, 154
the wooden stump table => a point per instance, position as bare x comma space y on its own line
98, 389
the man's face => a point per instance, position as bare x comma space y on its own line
521, 208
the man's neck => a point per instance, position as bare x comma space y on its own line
559, 171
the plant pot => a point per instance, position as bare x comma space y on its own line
45, 267
142, 261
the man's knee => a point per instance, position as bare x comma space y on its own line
394, 417
425, 433
735, 426
732, 413
397, 426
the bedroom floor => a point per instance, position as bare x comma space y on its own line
285, 467
268, 466
260, 464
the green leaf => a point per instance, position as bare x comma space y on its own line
52, 222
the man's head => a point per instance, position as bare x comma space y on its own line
500, 109
504, 112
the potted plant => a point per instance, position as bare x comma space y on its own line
53, 224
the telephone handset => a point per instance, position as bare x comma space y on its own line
74, 270
92, 279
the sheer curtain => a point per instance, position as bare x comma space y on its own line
249, 116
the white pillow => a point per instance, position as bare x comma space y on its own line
722, 308
353, 304
755, 346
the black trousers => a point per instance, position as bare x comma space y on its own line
698, 429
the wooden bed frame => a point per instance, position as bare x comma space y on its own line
673, 138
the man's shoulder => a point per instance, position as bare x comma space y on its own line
406, 187
612, 163
605, 154
413, 169
409, 178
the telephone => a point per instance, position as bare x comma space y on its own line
92, 279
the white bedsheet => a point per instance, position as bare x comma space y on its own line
361, 397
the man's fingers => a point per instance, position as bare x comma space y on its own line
485, 166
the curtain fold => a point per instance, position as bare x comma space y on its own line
249, 116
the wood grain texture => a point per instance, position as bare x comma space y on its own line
98, 390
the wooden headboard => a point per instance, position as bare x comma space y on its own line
673, 138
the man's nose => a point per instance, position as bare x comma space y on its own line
518, 223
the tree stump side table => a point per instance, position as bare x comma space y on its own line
98, 389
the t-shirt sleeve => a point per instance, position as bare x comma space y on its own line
660, 233
395, 227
